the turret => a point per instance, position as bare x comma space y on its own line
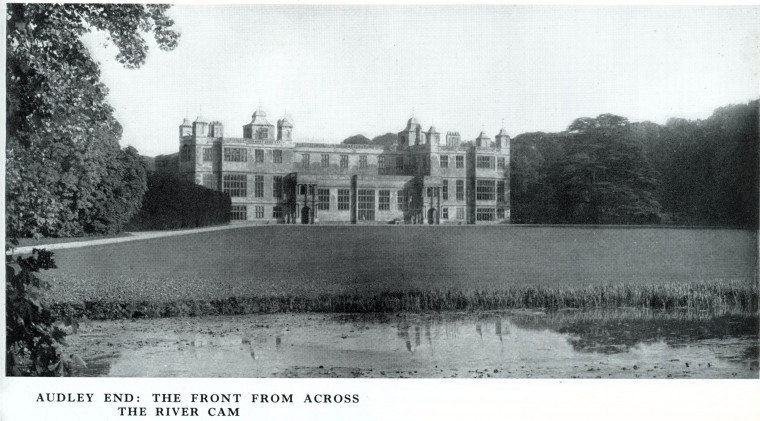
185, 129
453, 139
200, 127
216, 129
502, 139
284, 130
412, 134
483, 141
433, 137
259, 128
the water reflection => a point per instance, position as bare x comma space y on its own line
618, 343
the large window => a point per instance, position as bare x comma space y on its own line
259, 212
305, 158
344, 161
277, 186
210, 181
500, 191
258, 186
399, 162
460, 161
485, 162
445, 213
363, 161
323, 195
344, 199
235, 155
501, 162
277, 212
325, 160
239, 213
485, 190
381, 162
460, 189
460, 213
277, 156
366, 205
208, 154
485, 214
444, 161
236, 185
384, 200
500, 213
445, 189
259, 154
402, 199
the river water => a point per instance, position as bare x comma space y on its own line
621, 343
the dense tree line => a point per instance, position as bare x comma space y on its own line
66, 174
173, 202
609, 170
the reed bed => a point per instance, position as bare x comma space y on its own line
735, 296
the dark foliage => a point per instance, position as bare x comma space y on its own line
603, 176
66, 174
708, 168
172, 203
357, 140
33, 342
607, 170
388, 139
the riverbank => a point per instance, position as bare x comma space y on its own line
734, 296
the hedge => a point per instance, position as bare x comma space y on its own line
172, 203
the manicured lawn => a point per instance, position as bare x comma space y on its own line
312, 260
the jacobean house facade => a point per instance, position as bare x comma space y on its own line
423, 179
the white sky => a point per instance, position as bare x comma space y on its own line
343, 70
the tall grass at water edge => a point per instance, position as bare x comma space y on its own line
737, 296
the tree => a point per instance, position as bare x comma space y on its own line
603, 176
357, 140
388, 139
62, 139
532, 191
65, 172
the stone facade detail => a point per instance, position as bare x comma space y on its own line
419, 180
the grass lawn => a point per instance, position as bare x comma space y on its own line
313, 260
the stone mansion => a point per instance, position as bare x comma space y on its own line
422, 179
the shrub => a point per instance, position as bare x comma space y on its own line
34, 341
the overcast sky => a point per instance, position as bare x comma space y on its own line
340, 70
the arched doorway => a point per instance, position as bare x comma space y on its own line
305, 214
431, 216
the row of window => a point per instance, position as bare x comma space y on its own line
306, 160
241, 155
459, 213
240, 212
366, 208
236, 185
458, 160
489, 214
490, 190
363, 201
